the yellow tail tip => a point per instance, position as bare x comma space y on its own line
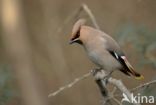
141, 77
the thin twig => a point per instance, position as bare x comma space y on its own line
91, 16
69, 18
114, 90
112, 96
138, 87
76, 80
143, 85
122, 88
75, 14
117, 101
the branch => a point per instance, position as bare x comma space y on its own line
117, 101
120, 86
75, 14
105, 78
91, 16
101, 75
76, 80
143, 85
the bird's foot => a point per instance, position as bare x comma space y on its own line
94, 71
100, 74
108, 75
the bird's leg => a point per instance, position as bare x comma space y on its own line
101, 79
95, 71
108, 75
100, 74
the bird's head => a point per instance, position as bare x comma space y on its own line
75, 37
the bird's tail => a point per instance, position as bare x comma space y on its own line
136, 75
131, 71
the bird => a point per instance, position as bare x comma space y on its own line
102, 49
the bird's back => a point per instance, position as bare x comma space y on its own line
94, 37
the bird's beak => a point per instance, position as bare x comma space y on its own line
74, 40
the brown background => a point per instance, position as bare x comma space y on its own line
131, 22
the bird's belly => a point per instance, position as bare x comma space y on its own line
105, 61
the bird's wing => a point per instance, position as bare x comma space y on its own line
127, 68
114, 49
118, 56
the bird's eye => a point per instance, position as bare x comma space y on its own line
76, 35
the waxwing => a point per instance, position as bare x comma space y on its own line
102, 49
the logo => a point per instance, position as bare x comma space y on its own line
138, 98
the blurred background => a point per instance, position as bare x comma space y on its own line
43, 47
